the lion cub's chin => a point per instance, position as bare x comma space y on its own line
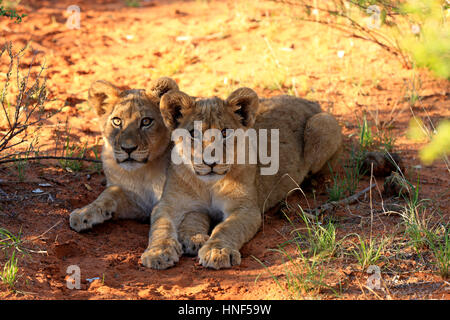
131, 165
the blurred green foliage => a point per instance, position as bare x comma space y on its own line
416, 31
428, 43
439, 145
421, 29
10, 12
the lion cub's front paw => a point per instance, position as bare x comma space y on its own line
92, 214
218, 257
162, 256
191, 244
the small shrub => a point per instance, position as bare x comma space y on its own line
9, 272
368, 252
439, 146
415, 31
321, 238
429, 41
72, 150
9, 11
25, 111
336, 192
10, 245
347, 183
133, 3
440, 247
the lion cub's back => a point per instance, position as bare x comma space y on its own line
288, 114
284, 106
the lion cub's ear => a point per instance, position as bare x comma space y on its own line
102, 96
244, 103
162, 85
174, 105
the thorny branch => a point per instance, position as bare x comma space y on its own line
362, 32
28, 108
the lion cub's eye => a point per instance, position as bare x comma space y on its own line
226, 133
146, 122
116, 122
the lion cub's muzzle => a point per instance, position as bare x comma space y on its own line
130, 154
206, 169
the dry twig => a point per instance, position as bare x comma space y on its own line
334, 204
51, 158
28, 108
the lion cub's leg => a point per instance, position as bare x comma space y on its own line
193, 232
164, 249
112, 202
227, 238
323, 140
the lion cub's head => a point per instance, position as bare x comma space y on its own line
131, 121
196, 117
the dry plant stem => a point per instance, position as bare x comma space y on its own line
366, 33
372, 291
371, 204
42, 234
24, 107
333, 204
50, 158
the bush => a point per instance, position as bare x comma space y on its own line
439, 146
11, 13
429, 42
416, 31
22, 99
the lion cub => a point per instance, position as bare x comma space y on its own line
232, 194
135, 155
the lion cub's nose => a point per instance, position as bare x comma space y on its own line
210, 164
128, 149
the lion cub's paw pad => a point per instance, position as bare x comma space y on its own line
84, 218
219, 258
193, 244
162, 256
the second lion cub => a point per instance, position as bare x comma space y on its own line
233, 194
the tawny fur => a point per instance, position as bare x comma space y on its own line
133, 187
236, 195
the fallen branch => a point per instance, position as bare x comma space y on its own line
334, 204
42, 234
51, 158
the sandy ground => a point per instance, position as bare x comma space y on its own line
210, 48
